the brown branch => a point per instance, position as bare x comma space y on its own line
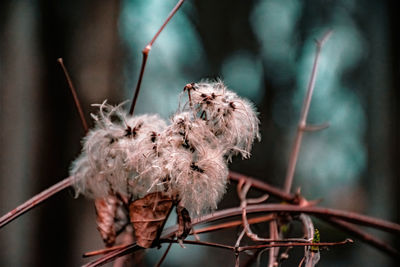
164, 255
256, 183
102, 251
327, 213
75, 95
146, 52
200, 243
360, 234
47, 193
36, 200
274, 234
235, 223
297, 244
311, 257
303, 117
133, 247
364, 236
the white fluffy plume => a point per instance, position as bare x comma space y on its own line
136, 155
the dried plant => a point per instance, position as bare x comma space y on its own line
137, 168
186, 160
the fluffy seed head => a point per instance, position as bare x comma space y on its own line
137, 155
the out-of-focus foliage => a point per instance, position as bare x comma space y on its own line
337, 156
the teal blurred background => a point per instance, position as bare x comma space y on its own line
261, 49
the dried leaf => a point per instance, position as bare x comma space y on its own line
112, 217
148, 216
184, 222
106, 209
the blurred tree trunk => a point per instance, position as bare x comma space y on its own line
19, 116
40, 127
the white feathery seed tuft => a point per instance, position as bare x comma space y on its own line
137, 155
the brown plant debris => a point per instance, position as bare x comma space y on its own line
106, 209
148, 216
184, 222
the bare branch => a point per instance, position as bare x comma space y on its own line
242, 189
364, 236
325, 212
297, 244
234, 224
102, 251
303, 117
75, 95
311, 257
256, 183
133, 247
36, 200
164, 255
146, 52
313, 128
273, 252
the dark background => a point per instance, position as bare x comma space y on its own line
101, 43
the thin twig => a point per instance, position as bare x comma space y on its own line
349, 228
273, 252
346, 215
146, 51
102, 251
350, 216
231, 224
242, 189
56, 188
36, 200
75, 95
297, 244
200, 243
364, 236
311, 257
303, 117
256, 183
164, 255
133, 247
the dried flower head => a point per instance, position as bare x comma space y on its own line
187, 160
232, 119
103, 166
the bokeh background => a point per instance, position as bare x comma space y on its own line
262, 49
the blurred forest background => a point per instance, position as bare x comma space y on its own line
262, 49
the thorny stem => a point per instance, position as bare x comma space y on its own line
146, 52
303, 117
36, 200
75, 95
